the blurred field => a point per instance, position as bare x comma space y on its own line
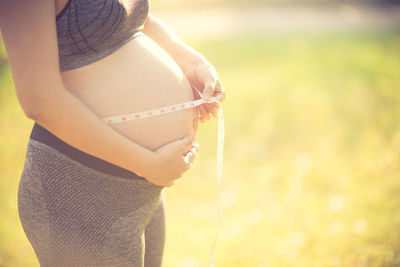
311, 174
207, 4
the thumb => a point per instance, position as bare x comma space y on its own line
209, 89
186, 143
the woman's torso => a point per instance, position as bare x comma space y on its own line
138, 76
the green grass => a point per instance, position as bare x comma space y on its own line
311, 170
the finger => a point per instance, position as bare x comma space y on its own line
203, 112
206, 106
186, 143
219, 91
187, 157
190, 157
199, 117
209, 88
213, 104
213, 109
191, 154
219, 95
194, 148
199, 112
202, 120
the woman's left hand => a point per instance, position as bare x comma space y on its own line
204, 76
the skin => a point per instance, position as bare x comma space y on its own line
55, 100
130, 86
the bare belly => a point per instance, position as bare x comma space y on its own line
138, 76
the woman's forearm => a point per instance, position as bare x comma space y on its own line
72, 121
184, 55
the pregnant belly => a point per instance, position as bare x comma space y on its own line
137, 77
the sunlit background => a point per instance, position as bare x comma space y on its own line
311, 163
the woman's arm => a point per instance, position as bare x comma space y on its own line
164, 36
29, 33
193, 64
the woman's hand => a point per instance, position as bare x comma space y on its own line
196, 68
203, 75
171, 161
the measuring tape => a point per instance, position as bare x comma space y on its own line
220, 144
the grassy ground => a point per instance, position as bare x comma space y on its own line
311, 174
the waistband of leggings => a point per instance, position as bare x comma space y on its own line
41, 134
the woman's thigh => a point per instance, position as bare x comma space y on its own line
77, 216
155, 236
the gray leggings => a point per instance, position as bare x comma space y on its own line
74, 215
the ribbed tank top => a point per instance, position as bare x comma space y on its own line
89, 30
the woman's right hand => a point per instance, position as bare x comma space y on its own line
171, 161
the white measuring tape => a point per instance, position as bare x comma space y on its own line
220, 143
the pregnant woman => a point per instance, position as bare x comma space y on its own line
90, 193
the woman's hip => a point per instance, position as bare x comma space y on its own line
66, 206
66, 184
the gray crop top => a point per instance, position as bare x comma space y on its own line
89, 30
